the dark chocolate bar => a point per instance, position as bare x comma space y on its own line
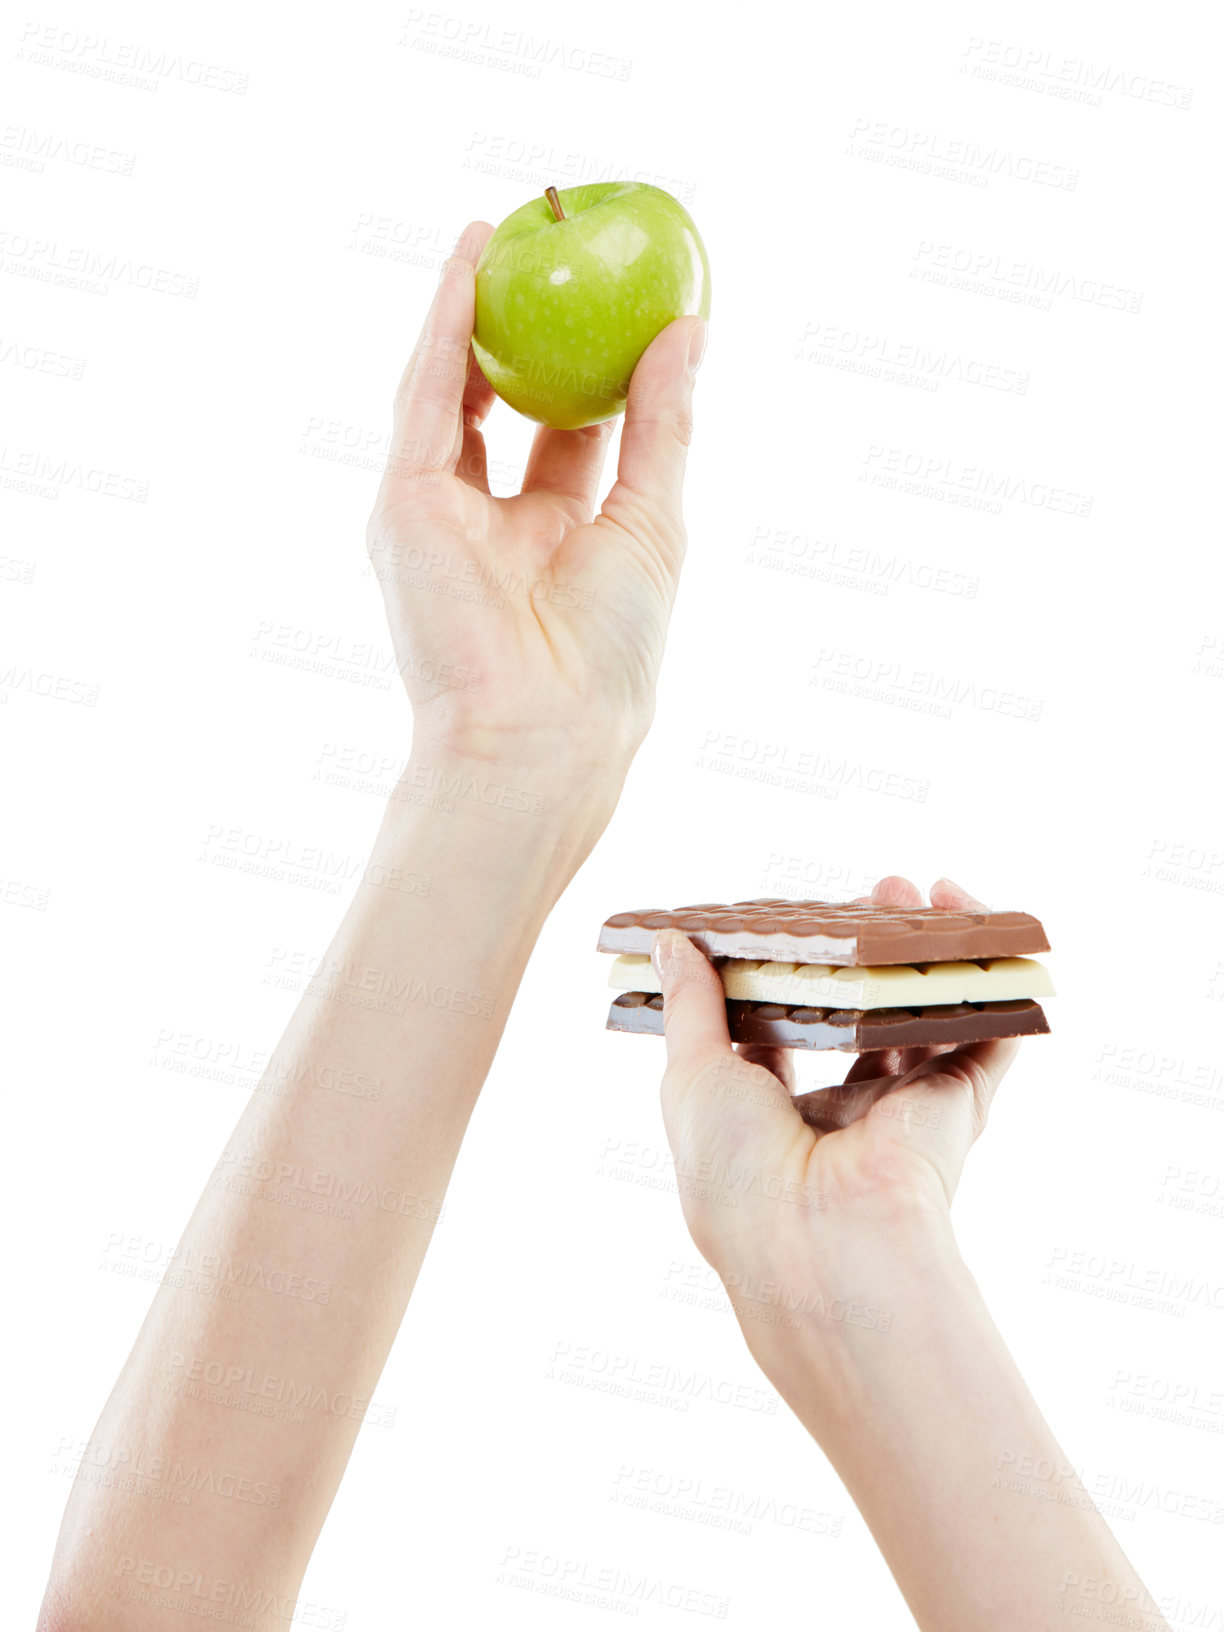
783, 1025
781, 931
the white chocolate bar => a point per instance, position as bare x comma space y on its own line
884, 986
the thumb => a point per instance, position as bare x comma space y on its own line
716, 1104
655, 438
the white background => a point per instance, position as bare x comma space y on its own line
295, 212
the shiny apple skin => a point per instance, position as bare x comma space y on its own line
564, 309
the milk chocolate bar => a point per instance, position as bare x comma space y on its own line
881, 986
773, 929
855, 1031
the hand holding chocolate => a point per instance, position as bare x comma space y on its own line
827, 974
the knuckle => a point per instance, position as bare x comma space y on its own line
653, 523
976, 1081
670, 421
682, 424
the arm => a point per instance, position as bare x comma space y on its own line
857, 1305
529, 705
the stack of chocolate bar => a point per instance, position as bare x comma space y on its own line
827, 974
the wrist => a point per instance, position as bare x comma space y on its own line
494, 825
537, 773
839, 1306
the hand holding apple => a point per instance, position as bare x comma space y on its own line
573, 287
529, 627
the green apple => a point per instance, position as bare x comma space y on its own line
574, 286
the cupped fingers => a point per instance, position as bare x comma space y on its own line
893, 891
890, 1062
781, 1061
829, 1109
478, 398
944, 893
570, 464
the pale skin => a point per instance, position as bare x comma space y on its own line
530, 696
844, 1273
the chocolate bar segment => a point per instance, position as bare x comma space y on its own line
782, 1025
879, 986
837, 932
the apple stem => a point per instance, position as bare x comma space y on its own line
550, 193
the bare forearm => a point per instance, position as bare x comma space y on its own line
901, 1375
298, 1262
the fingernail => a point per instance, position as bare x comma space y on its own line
667, 949
952, 885
697, 345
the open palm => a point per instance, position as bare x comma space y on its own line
897, 1129
529, 626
